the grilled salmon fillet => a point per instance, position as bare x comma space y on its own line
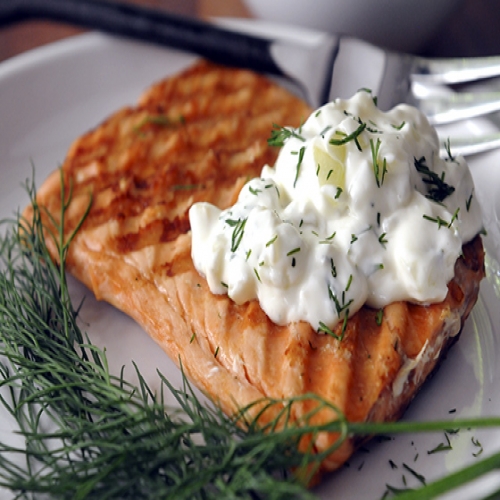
199, 136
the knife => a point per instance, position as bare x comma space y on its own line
305, 65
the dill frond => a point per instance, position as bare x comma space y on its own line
87, 433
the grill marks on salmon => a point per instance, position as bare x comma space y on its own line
198, 136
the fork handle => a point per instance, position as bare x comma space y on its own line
149, 25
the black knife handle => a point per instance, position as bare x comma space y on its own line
149, 25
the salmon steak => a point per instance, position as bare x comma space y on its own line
201, 135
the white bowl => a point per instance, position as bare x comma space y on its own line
403, 25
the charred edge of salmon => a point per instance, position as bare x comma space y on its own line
471, 264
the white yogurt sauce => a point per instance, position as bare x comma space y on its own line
358, 209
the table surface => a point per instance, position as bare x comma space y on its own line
472, 30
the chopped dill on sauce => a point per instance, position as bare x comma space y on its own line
468, 202
346, 138
378, 170
400, 126
447, 147
238, 226
349, 282
333, 269
299, 164
437, 189
325, 130
271, 241
279, 135
454, 217
369, 91
437, 220
382, 239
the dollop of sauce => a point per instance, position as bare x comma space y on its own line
358, 209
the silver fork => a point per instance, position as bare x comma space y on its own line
320, 67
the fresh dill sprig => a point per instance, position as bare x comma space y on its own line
90, 434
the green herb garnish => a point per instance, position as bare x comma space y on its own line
257, 274
447, 147
272, 240
108, 438
400, 126
299, 164
323, 328
346, 138
437, 220
378, 170
438, 190
238, 226
279, 135
468, 202
477, 444
159, 120
369, 91
333, 269
414, 473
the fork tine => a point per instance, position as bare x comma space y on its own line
455, 70
450, 107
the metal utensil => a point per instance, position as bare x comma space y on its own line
320, 70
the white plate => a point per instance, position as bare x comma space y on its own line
51, 95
